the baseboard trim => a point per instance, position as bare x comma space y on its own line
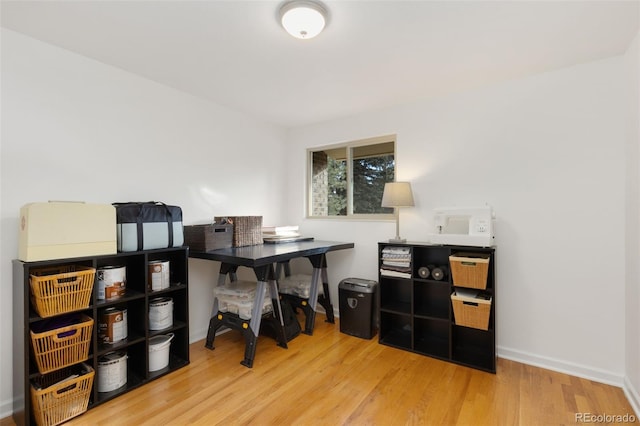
6, 409
632, 395
561, 366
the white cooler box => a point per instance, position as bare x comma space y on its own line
58, 230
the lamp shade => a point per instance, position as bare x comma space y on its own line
397, 194
303, 19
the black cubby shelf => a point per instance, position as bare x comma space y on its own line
135, 300
416, 312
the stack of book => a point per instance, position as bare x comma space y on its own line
396, 262
280, 233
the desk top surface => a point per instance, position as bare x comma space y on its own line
263, 254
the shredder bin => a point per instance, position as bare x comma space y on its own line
358, 307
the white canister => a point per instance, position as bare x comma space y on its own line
160, 313
159, 275
112, 371
159, 351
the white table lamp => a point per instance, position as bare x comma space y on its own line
397, 194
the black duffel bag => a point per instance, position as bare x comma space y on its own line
149, 225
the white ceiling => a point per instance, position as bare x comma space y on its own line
372, 54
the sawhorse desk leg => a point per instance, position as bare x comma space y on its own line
325, 299
251, 329
308, 305
214, 322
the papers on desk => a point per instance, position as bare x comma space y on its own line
276, 240
281, 230
282, 234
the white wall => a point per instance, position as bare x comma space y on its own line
75, 129
548, 153
632, 296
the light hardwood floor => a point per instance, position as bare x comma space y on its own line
331, 378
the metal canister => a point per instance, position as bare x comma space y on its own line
159, 275
112, 282
112, 327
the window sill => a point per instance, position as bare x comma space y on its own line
358, 218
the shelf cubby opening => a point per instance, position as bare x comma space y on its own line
395, 330
431, 336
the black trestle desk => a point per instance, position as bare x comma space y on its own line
262, 258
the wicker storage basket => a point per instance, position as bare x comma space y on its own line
471, 312
59, 289
469, 270
247, 230
62, 346
61, 395
208, 237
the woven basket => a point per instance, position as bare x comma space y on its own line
469, 270
59, 289
62, 346
247, 230
470, 312
59, 396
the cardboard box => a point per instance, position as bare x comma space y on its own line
58, 230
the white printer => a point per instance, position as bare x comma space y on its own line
465, 226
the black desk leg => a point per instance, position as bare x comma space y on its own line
214, 324
211, 334
277, 311
253, 330
266, 275
234, 322
250, 343
215, 321
325, 299
310, 319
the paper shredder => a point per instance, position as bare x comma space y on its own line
358, 307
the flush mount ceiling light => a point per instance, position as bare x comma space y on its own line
302, 18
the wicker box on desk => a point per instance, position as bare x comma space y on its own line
247, 230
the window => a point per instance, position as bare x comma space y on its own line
348, 180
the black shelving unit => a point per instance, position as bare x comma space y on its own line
136, 301
416, 313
